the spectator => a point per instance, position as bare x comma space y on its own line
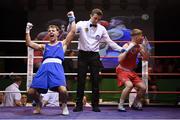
13, 98
85, 102
50, 99
24, 100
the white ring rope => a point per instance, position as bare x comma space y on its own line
70, 91
107, 91
23, 41
12, 57
104, 74
75, 57
38, 41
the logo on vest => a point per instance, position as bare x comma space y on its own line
97, 37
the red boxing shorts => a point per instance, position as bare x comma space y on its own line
126, 75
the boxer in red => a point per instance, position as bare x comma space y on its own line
125, 74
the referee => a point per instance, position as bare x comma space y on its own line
91, 34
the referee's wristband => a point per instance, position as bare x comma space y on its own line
123, 50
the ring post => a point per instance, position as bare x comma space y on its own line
29, 67
145, 76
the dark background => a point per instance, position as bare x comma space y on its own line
167, 24
14, 17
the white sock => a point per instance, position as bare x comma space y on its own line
121, 102
65, 110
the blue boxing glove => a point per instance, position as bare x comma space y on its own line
71, 16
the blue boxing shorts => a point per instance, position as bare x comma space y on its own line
49, 75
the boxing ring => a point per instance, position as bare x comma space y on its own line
108, 111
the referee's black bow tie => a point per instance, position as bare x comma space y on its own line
93, 25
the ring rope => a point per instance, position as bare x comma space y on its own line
75, 57
103, 74
107, 92
13, 57
38, 41
143, 72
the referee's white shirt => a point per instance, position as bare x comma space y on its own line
90, 37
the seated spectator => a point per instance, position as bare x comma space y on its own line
24, 100
85, 102
13, 98
1, 99
50, 99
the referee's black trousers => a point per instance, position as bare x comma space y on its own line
91, 61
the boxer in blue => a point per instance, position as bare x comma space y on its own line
50, 74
